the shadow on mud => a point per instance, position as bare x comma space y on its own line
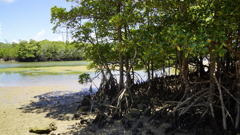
59, 105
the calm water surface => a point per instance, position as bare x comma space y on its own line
19, 79
15, 79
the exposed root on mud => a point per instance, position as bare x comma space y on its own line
163, 100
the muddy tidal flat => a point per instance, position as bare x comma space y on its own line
35, 94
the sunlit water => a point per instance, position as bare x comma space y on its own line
68, 81
12, 79
19, 80
15, 79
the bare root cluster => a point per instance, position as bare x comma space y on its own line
165, 99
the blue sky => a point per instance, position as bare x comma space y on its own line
28, 19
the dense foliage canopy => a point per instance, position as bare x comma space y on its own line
200, 38
40, 51
154, 34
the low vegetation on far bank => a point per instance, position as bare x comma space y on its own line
40, 51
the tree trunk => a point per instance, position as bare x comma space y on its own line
200, 67
119, 33
148, 70
152, 69
212, 67
127, 63
133, 75
128, 75
237, 93
227, 68
184, 72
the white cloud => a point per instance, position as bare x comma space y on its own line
40, 35
62, 37
7, 1
15, 41
58, 38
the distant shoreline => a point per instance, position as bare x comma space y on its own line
15, 61
10, 61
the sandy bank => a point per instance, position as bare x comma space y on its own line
23, 107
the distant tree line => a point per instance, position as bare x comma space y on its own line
44, 50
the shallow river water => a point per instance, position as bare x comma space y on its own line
64, 73
13, 75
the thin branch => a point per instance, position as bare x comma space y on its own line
222, 104
188, 100
230, 94
133, 60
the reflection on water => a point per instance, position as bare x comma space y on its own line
16, 87
18, 79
